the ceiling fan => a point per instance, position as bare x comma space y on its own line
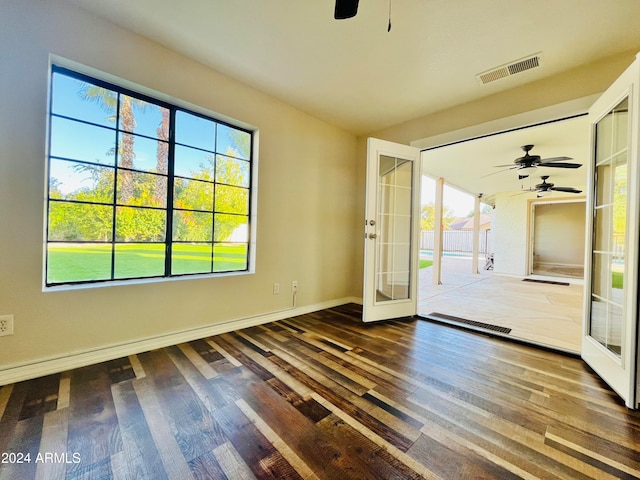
543, 189
530, 162
349, 8
345, 9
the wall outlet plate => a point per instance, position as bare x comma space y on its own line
6, 325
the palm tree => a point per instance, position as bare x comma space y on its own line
162, 156
108, 101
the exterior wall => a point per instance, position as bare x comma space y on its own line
306, 196
559, 230
510, 234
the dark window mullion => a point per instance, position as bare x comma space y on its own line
170, 183
118, 173
84, 122
46, 273
213, 199
115, 189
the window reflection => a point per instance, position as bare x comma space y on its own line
393, 256
610, 226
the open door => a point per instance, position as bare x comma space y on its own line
391, 231
610, 333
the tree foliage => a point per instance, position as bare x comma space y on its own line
428, 215
88, 214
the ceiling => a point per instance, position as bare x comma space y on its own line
356, 75
470, 165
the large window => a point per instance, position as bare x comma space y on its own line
140, 188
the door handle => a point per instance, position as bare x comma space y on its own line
372, 236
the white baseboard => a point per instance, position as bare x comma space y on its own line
50, 365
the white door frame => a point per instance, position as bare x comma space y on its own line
619, 371
375, 308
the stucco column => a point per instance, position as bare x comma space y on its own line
476, 235
437, 233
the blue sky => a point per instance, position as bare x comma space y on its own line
79, 141
460, 203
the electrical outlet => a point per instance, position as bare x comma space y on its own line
276, 288
6, 325
294, 286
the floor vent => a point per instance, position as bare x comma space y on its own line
522, 65
473, 323
548, 282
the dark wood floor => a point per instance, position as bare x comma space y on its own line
323, 396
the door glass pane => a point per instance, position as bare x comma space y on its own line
393, 253
610, 217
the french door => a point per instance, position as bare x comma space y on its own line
391, 231
610, 334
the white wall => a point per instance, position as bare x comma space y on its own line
306, 203
559, 233
510, 233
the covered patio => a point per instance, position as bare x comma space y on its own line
547, 314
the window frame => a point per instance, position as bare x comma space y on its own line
156, 99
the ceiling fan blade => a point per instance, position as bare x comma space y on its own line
566, 189
560, 165
522, 192
345, 9
499, 171
555, 159
503, 166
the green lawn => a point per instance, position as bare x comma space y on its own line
617, 279
88, 262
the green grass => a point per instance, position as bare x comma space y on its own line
425, 263
89, 262
617, 279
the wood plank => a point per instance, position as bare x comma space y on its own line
41, 397
14, 396
287, 452
323, 395
64, 391
289, 424
93, 434
374, 460
171, 457
54, 440
139, 448
24, 443
191, 423
206, 467
232, 463
253, 447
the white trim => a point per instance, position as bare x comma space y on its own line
578, 106
50, 365
56, 60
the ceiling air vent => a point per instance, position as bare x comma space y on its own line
511, 68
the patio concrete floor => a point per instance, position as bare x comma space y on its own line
543, 314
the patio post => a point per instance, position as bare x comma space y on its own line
476, 235
437, 233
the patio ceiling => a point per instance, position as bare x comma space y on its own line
470, 165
